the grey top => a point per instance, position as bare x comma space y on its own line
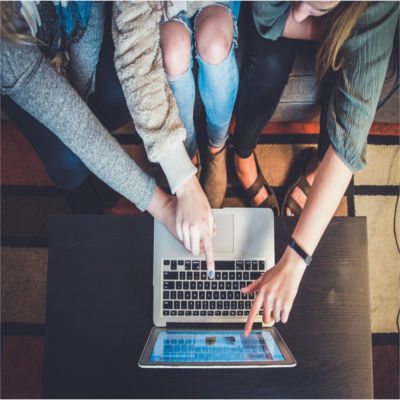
33, 83
356, 92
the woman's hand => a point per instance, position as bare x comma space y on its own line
276, 290
195, 224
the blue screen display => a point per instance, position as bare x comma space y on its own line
215, 346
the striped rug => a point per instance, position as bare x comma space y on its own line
29, 198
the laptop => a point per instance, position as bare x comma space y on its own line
186, 303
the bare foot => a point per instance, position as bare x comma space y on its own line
297, 193
246, 171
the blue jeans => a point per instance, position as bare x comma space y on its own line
218, 86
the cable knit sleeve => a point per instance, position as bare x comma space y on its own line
139, 66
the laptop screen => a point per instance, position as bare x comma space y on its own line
215, 346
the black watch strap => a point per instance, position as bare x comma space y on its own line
307, 259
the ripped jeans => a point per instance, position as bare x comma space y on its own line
218, 86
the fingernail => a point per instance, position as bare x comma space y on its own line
211, 274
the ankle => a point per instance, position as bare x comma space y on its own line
215, 150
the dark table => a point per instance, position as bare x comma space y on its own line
99, 315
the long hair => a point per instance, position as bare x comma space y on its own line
8, 10
340, 22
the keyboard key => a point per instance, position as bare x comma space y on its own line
242, 285
223, 295
214, 285
173, 295
230, 295
192, 285
174, 312
203, 265
177, 305
212, 305
169, 285
189, 275
167, 305
220, 305
166, 295
239, 276
187, 265
221, 285
217, 313
200, 285
228, 285
202, 313
232, 313
233, 305
218, 275
187, 295
196, 313
180, 262
216, 295
205, 305
182, 275
173, 265
247, 266
196, 276
237, 295
261, 265
168, 275
202, 295
225, 276
183, 304
178, 285
246, 276
196, 265
239, 266
165, 312
185, 285
231, 276
210, 313
240, 313
208, 295
180, 313
240, 305
224, 265
225, 313
226, 305
166, 262
191, 305
195, 295
188, 313
255, 275
235, 285
207, 285
180, 295
247, 305
254, 265
203, 275
246, 312
198, 305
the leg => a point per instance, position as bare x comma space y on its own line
108, 100
64, 168
265, 74
324, 142
218, 72
177, 57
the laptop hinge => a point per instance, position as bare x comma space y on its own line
210, 325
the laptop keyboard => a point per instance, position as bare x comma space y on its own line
187, 291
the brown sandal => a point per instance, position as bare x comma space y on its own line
270, 201
301, 182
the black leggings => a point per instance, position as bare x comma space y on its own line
266, 68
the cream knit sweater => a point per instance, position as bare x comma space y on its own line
139, 65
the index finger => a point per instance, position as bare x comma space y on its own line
209, 253
253, 313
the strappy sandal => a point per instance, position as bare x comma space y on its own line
301, 182
270, 201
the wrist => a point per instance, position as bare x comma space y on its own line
158, 204
293, 260
187, 186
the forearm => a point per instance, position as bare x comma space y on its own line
327, 190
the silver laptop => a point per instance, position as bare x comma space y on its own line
183, 294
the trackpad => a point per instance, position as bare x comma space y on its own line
223, 240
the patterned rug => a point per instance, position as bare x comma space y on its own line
29, 198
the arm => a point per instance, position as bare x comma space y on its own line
277, 288
153, 108
37, 87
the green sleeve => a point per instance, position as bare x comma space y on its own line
355, 95
270, 17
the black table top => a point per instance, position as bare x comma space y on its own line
99, 315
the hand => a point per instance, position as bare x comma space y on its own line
277, 289
195, 224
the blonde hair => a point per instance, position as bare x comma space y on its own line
8, 10
340, 21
